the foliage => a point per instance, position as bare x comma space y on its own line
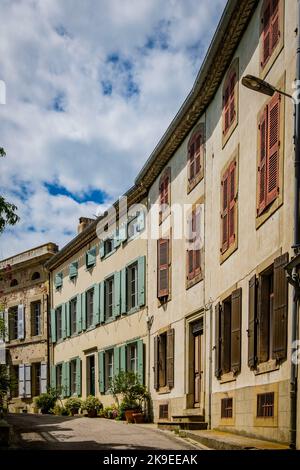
73, 405
92, 403
110, 412
128, 385
4, 384
46, 401
60, 410
8, 215
128, 405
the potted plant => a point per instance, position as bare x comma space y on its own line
46, 401
73, 405
92, 405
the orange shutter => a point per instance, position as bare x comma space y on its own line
262, 168
232, 99
190, 251
197, 155
226, 108
275, 24
232, 202
163, 267
273, 149
266, 33
191, 161
224, 216
197, 260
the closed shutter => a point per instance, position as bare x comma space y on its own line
123, 291
21, 322
156, 363
67, 379
96, 305
73, 268
263, 320
280, 308
123, 232
218, 370
275, 25
91, 257
101, 302
78, 376
21, 380
226, 337
58, 280
83, 311
101, 249
68, 319
116, 360
123, 358
190, 252
43, 379
226, 107
141, 280
191, 161
273, 149
170, 357
252, 323
266, 33
6, 326
53, 377
262, 167
63, 380
78, 314
224, 214
236, 317
232, 110
63, 321
27, 380
163, 267
232, 203
117, 295
101, 371
140, 360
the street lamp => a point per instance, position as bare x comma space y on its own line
259, 85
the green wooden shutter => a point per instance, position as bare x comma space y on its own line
78, 376
53, 326
123, 291
63, 321
67, 379
101, 249
78, 314
73, 270
116, 239
140, 360
141, 281
68, 325
123, 232
53, 376
117, 294
58, 281
101, 371
101, 302
96, 304
116, 360
90, 257
83, 311
123, 358
63, 380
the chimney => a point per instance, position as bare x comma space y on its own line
83, 223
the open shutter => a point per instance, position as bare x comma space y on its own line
266, 33
53, 376
91, 257
141, 281
224, 215
123, 232
78, 314
117, 294
63, 380
262, 167
163, 267
140, 360
252, 323
232, 195
63, 321
263, 320
27, 380
123, 291
236, 317
6, 326
218, 370
43, 379
21, 380
96, 304
116, 360
73, 270
53, 325
190, 251
156, 363
275, 25
191, 161
67, 379
280, 308
21, 322
123, 358
170, 357
273, 149
101, 249
83, 311
225, 335
101, 302
101, 371
78, 376
226, 106
232, 110
68, 319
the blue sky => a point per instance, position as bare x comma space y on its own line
91, 88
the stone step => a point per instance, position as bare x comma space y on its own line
181, 426
188, 418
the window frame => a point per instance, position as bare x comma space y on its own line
73, 313
58, 325
109, 281
164, 192
230, 98
192, 181
164, 294
265, 65
36, 331
13, 322
73, 377
108, 365
129, 281
196, 275
89, 302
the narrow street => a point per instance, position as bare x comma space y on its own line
49, 432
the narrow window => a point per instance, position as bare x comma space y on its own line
90, 307
73, 316
109, 297
132, 357
36, 318
226, 408
109, 369
13, 323
73, 377
163, 267
36, 379
59, 378
265, 405
58, 314
193, 251
132, 286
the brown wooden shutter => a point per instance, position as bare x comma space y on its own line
266, 32
275, 25
224, 216
232, 98
263, 320
232, 193
225, 337
156, 363
170, 357
198, 149
226, 106
280, 308
163, 267
236, 317
191, 161
252, 323
218, 370
197, 253
262, 168
273, 149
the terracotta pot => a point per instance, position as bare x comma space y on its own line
138, 418
129, 415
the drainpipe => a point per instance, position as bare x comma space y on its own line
296, 246
210, 366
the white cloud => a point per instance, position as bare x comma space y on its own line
57, 51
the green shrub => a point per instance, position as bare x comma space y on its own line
60, 410
46, 401
92, 404
128, 405
73, 405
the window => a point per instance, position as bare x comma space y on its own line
36, 379
164, 360
136, 225
164, 193
268, 306
13, 283
229, 207
58, 280
230, 101
265, 405
90, 258
226, 408
196, 157
59, 382
14, 381
271, 30
73, 270
164, 411
132, 357
193, 251
108, 246
13, 323
73, 379
73, 316
132, 287
36, 318
268, 165
228, 335
163, 268
109, 297
58, 315
90, 307
36, 275
109, 368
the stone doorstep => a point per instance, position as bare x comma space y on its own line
221, 440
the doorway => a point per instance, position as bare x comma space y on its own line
91, 375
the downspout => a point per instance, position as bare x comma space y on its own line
296, 246
49, 303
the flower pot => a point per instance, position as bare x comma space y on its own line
129, 415
138, 418
92, 413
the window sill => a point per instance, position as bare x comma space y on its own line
226, 137
226, 254
164, 215
163, 390
89, 268
192, 282
109, 320
109, 254
228, 377
73, 278
133, 310
266, 214
195, 181
265, 367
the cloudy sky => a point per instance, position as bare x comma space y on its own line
91, 85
